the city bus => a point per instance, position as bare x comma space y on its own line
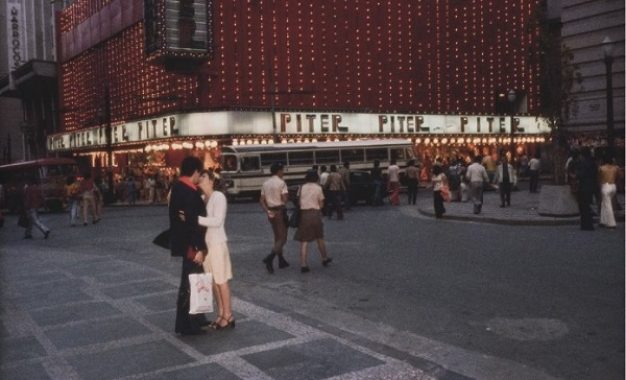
49, 173
245, 167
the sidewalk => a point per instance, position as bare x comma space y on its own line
523, 210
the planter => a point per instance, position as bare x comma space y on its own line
557, 201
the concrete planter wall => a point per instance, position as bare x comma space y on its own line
557, 201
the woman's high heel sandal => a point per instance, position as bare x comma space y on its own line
230, 323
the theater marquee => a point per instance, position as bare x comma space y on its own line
237, 123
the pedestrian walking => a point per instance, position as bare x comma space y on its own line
187, 240
476, 175
336, 188
33, 200
393, 172
72, 196
376, 175
454, 179
217, 260
608, 174
274, 196
323, 181
534, 168
310, 226
412, 177
88, 195
345, 177
131, 191
505, 178
439, 181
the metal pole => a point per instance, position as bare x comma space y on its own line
512, 147
608, 61
109, 138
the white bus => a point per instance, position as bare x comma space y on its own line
245, 167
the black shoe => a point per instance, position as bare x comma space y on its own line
501, 206
304, 270
282, 263
28, 236
45, 236
268, 262
193, 332
327, 261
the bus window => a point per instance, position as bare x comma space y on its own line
327, 157
267, 159
376, 154
249, 164
229, 163
301, 158
352, 155
398, 154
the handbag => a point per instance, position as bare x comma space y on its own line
200, 293
163, 239
23, 221
294, 218
445, 193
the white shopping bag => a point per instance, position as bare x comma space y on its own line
200, 293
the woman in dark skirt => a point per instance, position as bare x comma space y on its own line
310, 226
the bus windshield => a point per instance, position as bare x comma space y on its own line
229, 163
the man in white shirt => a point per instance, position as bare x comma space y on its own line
274, 195
534, 166
477, 175
393, 172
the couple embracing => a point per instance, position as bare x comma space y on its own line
197, 213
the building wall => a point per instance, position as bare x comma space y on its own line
585, 25
361, 55
40, 42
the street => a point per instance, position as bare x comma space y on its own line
406, 297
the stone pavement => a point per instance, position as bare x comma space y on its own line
523, 210
68, 313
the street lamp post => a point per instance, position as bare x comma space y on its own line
511, 96
607, 49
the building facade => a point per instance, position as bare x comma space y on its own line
139, 76
586, 24
28, 84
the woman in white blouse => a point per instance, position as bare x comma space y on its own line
310, 226
217, 260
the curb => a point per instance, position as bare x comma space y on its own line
513, 222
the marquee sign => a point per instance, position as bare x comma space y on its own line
16, 34
234, 123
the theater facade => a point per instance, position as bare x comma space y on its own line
145, 82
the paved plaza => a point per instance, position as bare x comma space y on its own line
407, 297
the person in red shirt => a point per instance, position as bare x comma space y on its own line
33, 200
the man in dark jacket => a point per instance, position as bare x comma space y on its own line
187, 240
586, 173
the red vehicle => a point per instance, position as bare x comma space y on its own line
49, 173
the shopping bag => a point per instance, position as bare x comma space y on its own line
163, 239
200, 293
445, 193
23, 221
294, 218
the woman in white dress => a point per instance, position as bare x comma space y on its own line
217, 260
